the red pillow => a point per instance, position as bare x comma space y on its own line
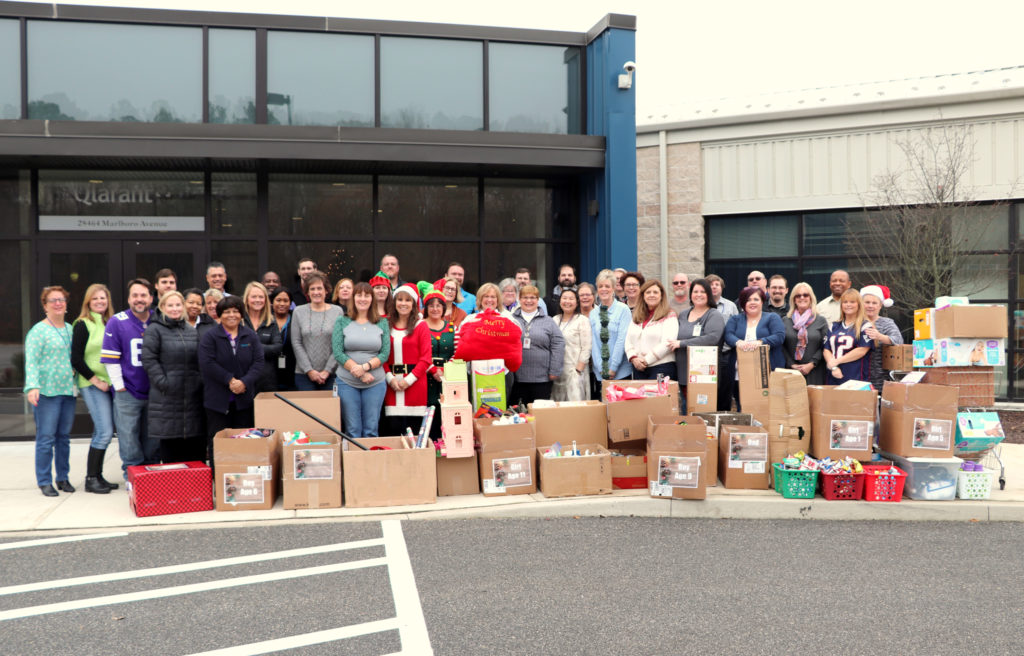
487, 335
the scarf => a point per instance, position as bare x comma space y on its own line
800, 321
604, 336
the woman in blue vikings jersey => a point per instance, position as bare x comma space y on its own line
846, 349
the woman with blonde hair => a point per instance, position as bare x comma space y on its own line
93, 381
806, 332
609, 323
650, 336
342, 296
259, 318
847, 346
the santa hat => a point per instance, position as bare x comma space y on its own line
408, 289
439, 284
380, 279
881, 291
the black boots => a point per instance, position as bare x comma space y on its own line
65, 486
94, 481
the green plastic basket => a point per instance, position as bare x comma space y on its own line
795, 483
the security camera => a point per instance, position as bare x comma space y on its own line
626, 79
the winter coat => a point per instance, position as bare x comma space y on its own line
270, 338
219, 364
170, 358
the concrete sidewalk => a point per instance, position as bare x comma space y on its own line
24, 508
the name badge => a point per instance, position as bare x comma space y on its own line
280, 362
526, 342
696, 331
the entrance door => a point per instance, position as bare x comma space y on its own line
77, 264
142, 259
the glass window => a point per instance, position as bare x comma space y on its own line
982, 277
10, 69
20, 305
528, 209
105, 72
735, 274
337, 259
15, 190
429, 260
422, 208
239, 259
982, 227
319, 79
551, 73
831, 233
232, 76
502, 260
753, 236
321, 205
153, 201
431, 84
233, 204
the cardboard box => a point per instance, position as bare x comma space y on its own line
677, 462
924, 320
574, 476
960, 352
583, 421
898, 357
508, 456
754, 368
458, 476
743, 458
169, 489
977, 385
789, 415
488, 383
627, 420
629, 469
977, 431
246, 470
715, 421
918, 421
842, 422
272, 412
311, 474
399, 476
702, 379
978, 321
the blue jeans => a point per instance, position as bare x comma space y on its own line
133, 443
54, 416
360, 408
304, 384
101, 409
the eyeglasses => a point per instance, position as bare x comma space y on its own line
679, 283
754, 279
57, 301
801, 295
632, 284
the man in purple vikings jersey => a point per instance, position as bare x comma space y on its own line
122, 355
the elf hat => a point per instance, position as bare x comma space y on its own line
379, 279
434, 294
424, 288
881, 291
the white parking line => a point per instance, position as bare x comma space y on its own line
69, 538
206, 586
306, 639
412, 626
188, 567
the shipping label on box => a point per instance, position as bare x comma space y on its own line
702, 379
508, 473
933, 433
242, 488
978, 321
850, 435
676, 474
917, 420
754, 368
743, 457
312, 474
748, 451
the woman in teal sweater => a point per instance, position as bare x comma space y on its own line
361, 343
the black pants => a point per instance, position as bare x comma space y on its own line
183, 449
217, 421
726, 374
529, 392
395, 426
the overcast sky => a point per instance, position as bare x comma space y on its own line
727, 48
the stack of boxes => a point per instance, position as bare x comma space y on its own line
457, 469
962, 343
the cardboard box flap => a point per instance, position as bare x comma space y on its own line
503, 437
827, 400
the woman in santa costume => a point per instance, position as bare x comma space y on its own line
405, 402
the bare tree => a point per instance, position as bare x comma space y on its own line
921, 223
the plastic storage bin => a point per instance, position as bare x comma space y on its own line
928, 479
842, 487
883, 486
795, 483
974, 484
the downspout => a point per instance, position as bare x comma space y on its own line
663, 201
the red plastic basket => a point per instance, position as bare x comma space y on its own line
842, 487
883, 487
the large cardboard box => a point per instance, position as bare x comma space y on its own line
898, 357
677, 462
458, 476
169, 489
574, 476
977, 385
754, 368
627, 420
583, 421
978, 321
246, 470
919, 420
272, 412
789, 415
629, 469
508, 455
715, 421
743, 458
702, 379
842, 422
398, 476
924, 320
311, 473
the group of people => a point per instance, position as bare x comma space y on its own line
175, 367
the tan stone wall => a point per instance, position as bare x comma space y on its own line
685, 222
